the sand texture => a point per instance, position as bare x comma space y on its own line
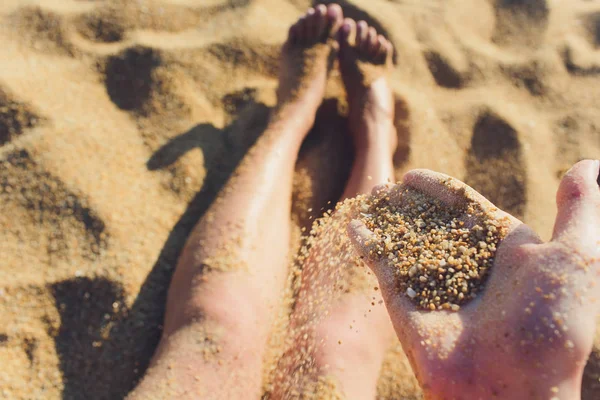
120, 120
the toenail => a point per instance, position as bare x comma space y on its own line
333, 10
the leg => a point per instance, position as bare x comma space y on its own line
365, 59
345, 350
230, 276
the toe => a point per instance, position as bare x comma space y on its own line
349, 32
293, 34
301, 30
374, 49
578, 202
362, 31
378, 48
381, 48
371, 41
389, 52
321, 20
311, 22
335, 18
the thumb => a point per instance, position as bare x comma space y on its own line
578, 202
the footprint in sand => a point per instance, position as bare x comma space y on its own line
442, 70
89, 310
580, 53
532, 77
495, 165
110, 22
42, 30
520, 23
238, 100
129, 77
104, 26
577, 138
15, 117
591, 23
55, 211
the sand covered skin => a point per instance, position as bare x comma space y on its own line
442, 254
120, 121
327, 271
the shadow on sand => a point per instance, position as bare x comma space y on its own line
104, 347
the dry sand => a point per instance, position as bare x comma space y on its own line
120, 120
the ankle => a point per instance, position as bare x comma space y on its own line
374, 135
373, 151
293, 116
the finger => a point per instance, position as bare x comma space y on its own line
364, 241
411, 325
578, 202
445, 188
366, 244
455, 193
452, 192
381, 189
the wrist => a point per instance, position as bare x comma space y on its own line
516, 385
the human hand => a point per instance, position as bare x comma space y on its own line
528, 334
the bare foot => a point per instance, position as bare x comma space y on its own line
365, 60
529, 333
306, 60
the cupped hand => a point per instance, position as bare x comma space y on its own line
528, 334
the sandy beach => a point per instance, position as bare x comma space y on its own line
121, 120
